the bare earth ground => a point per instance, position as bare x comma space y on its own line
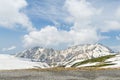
60, 75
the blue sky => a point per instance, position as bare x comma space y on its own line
58, 23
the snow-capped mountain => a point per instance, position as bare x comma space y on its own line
66, 57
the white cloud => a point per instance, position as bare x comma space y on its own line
80, 9
117, 14
111, 25
50, 36
9, 49
81, 12
11, 15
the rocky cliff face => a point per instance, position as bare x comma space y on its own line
65, 57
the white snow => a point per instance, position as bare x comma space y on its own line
115, 60
88, 64
70, 64
8, 62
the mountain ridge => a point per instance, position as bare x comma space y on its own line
66, 57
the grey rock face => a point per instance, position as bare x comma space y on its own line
62, 57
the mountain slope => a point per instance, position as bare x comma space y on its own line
114, 60
108, 61
66, 57
95, 62
8, 62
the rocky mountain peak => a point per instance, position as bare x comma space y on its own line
59, 57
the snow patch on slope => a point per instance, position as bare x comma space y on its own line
88, 64
115, 60
8, 62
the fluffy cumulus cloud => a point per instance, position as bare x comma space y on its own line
9, 49
11, 14
81, 14
50, 36
80, 33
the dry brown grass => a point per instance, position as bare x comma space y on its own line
71, 68
65, 69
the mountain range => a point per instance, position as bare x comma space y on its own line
88, 55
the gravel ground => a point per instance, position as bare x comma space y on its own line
60, 75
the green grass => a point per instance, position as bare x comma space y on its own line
103, 64
99, 59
